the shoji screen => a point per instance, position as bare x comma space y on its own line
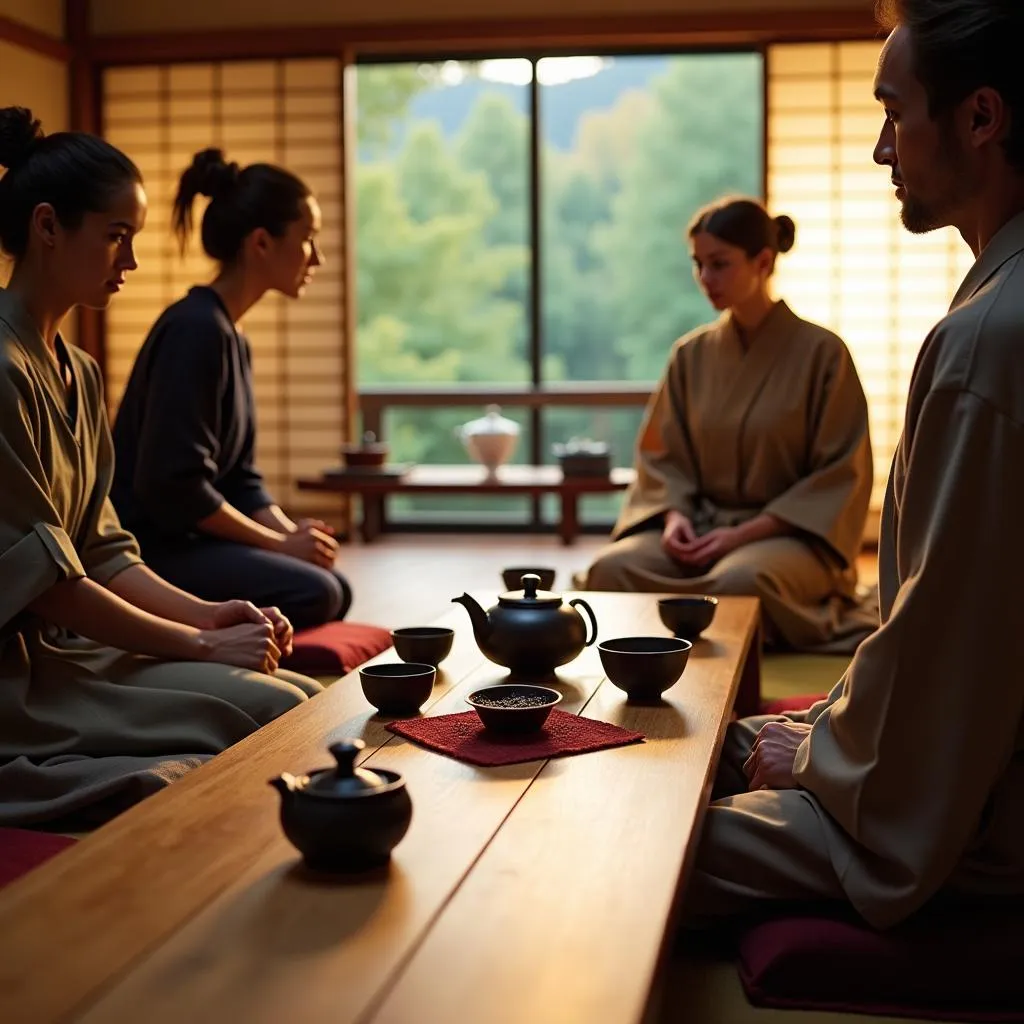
854, 267
285, 112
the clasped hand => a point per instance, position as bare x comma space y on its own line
680, 542
770, 764
242, 634
313, 541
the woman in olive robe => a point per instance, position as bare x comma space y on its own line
112, 682
754, 467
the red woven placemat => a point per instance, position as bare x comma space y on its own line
464, 738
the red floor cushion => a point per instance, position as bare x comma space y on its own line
21, 850
962, 964
336, 648
780, 705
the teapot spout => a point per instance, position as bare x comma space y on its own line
477, 616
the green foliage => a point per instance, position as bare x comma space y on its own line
443, 240
428, 286
383, 95
495, 142
702, 139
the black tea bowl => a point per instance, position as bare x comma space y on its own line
429, 645
644, 666
687, 617
397, 689
513, 708
512, 578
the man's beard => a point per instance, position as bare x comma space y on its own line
920, 216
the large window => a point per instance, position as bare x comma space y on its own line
522, 222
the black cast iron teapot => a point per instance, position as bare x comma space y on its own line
530, 631
344, 818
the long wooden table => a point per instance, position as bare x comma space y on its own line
540, 892
427, 479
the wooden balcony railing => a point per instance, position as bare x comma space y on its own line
376, 400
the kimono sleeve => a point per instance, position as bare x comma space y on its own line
666, 469
907, 756
178, 448
831, 500
106, 548
35, 549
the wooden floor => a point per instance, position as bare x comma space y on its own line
407, 579
404, 579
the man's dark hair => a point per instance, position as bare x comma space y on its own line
963, 45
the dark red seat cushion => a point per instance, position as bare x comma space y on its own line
781, 705
336, 648
22, 850
956, 963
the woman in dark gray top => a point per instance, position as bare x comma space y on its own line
185, 481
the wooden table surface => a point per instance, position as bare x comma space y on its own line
539, 892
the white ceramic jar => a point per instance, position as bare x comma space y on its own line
490, 440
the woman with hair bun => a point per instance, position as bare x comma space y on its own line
186, 482
112, 682
753, 462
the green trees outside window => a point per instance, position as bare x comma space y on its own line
629, 147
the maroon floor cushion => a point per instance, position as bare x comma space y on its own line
21, 850
780, 705
957, 963
336, 648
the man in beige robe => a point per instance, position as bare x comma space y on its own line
908, 780
86, 730
762, 444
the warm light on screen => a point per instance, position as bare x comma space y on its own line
854, 268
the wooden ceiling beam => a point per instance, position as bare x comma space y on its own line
488, 36
29, 38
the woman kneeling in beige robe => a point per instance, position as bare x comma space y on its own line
112, 682
753, 463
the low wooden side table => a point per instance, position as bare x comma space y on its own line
426, 479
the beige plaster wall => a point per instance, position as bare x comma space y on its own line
28, 79
45, 15
39, 83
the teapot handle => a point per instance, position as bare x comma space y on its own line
577, 602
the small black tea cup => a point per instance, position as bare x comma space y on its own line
644, 666
429, 645
397, 689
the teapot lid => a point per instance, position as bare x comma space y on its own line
492, 423
346, 780
529, 596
